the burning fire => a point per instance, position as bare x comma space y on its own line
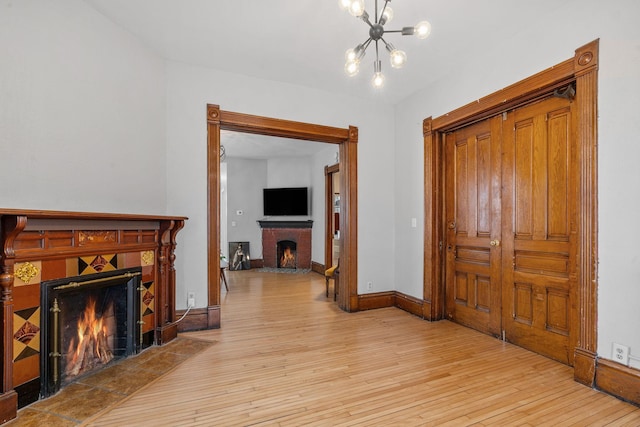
91, 345
288, 259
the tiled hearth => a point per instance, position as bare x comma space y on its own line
92, 394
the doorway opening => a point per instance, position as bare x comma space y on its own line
346, 138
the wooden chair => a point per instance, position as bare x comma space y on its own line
332, 273
223, 278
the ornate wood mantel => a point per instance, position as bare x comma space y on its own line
40, 245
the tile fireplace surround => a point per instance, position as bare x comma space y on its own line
43, 246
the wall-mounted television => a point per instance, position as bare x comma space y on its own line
285, 201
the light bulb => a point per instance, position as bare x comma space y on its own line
356, 8
398, 58
352, 68
387, 15
422, 30
344, 4
350, 55
378, 80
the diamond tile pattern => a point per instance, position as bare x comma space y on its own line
97, 264
147, 302
26, 333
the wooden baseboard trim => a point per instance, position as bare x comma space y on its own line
213, 317
316, 267
256, 263
391, 299
584, 366
195, 320
199, 319
618, 380
376, 300
409, 304
166, 333
8, 406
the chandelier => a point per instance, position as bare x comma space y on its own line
376, 32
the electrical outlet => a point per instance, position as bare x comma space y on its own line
369, 286
191, 299
621, 353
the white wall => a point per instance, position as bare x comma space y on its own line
289, 172
245, 181
82, 112
190, 88
569, 26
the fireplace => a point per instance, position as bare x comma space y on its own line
60, 268
286, 254
91, 321
286, 244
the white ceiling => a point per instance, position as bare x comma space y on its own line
303, 42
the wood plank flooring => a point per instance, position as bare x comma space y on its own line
287, 356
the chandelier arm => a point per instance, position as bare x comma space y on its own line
389, 46
376, 11
382, 11
365, 18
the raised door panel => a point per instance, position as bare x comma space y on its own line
472, 295
538, 213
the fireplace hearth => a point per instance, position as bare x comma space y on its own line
91, 321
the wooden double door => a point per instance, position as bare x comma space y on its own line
510, 212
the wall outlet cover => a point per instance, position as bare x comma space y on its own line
620, 353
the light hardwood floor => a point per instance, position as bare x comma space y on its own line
287, 356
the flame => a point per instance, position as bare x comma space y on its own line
88, 326
92, 346
288, 258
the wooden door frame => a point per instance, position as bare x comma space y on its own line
581, 70
328, 220
347, 140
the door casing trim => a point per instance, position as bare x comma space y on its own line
346, 138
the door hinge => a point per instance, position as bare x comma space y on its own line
504, 335
504, 115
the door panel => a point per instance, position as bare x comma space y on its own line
473, 218
510, 209
539, 245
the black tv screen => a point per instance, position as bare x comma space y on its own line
285, 201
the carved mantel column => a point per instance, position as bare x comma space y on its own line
167, 329
11, 226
